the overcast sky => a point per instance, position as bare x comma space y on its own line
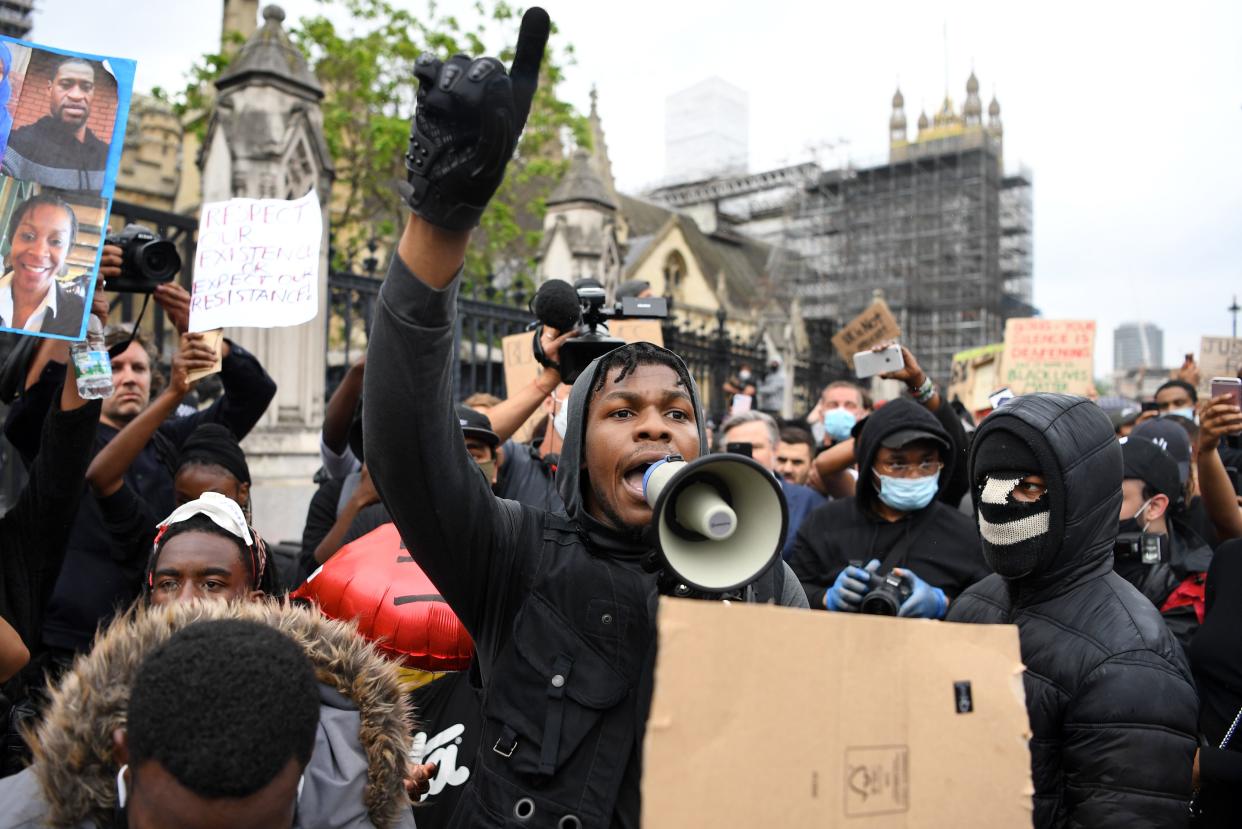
1128, 114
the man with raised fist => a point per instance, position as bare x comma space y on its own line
560, 607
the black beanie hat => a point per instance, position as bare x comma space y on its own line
212, 444
1018, 537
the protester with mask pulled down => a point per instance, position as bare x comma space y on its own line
559, 606
1177, 397
1151, 500
894, 522
1108, 690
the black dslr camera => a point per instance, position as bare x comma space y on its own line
1145, 548
578, 352
146, 261
886, 597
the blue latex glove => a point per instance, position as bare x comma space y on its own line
925, 602
851, 585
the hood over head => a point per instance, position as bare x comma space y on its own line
569, 474
73, 743
896, 416
1072, 441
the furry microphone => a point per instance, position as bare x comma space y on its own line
556, 305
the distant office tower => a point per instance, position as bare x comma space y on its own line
1137, 345
15, 17
706, 131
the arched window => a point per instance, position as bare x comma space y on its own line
674, 273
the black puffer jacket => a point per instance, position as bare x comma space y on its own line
1109, 693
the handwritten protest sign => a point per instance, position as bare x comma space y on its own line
873, 326
257, 264
62, 130
976, 373
521, 367
1218, 357
1049, 356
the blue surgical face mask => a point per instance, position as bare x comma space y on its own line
1188, 413
838, 423
908, 494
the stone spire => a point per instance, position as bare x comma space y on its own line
994, 120
582, 184
600, 162
897, 121
269, 56
972, 109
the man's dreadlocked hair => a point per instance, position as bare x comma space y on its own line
266, 581
627, 358
196, 707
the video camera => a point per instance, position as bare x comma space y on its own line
146, 260
1145, 548
566, 307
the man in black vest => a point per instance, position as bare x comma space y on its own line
560, 608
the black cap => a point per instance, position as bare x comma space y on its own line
1166, 434
477, 425
904, 437
1145, 461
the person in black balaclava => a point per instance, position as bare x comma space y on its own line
1111, 701
560, 605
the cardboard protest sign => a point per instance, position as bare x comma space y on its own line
215, 340
976, 373
62, 129
771, 716
257, 263
1049, 356
873, 326
521, 367
1218, 357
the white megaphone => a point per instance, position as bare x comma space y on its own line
720, 521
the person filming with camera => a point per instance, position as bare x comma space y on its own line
559, 605
894, 533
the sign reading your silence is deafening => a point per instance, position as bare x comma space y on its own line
257, 263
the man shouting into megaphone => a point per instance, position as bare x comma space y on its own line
560, 607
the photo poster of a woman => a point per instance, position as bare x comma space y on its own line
62, 131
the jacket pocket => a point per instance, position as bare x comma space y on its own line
550, 689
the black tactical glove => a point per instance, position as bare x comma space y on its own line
466, 126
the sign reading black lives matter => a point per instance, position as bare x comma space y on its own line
257, 263
62, 129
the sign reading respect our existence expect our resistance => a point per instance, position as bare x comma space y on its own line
257, 263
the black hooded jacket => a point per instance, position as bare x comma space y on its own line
943, 545
560, 610
1108, 690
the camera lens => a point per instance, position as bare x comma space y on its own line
158, 261
885, 598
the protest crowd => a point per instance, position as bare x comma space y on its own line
161, 665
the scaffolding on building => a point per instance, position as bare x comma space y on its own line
940, 230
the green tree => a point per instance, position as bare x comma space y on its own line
368, 80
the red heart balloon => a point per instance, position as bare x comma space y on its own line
376, 582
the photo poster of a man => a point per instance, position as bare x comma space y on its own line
62, 131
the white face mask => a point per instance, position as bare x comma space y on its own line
560, 421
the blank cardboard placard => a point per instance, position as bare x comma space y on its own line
770, 716
1218, 357
1049, 356
214, 339
874, 326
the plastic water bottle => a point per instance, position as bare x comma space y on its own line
91, 364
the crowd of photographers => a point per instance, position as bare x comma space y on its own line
161, 663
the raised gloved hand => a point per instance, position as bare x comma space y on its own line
466, 126
851, 585
925, 602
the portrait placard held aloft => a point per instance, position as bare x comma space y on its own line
62, 128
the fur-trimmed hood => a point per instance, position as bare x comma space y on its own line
73, 743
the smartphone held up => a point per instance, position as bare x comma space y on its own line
871, 363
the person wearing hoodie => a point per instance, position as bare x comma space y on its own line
356, 775
559, 605
1109, 692
894, 522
